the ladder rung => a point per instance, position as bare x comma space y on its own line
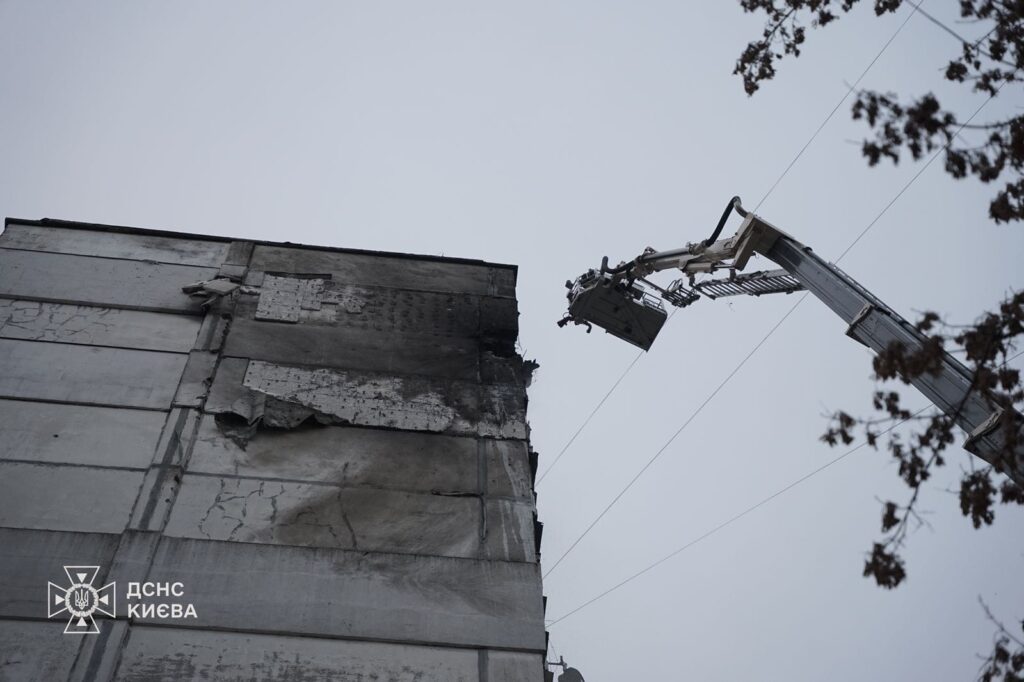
754, 284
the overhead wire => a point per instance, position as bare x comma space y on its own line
589, 417
724, 524
629, 368
662, 449
850, 89
771, 331
720, 526
746, 511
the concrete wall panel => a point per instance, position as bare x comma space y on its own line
296, 590
350, 348
78, 434
510, 531
502, 409
227, 394
74, 498
385, 310
171, 654
88, 325
32, 651
285, 513
508, 468
115, 245
103, 282
499, 316
348, 456
385, 271
30, 558
88, 374
196, 379
511, 666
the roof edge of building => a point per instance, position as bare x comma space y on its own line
101, 227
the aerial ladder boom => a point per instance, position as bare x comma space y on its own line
617, 300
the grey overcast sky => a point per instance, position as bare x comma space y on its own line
549, 134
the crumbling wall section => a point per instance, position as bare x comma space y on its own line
329, 448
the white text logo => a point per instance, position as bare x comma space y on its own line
80, 600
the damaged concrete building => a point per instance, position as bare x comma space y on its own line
291, 462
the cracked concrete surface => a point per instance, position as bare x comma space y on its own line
93, 326
309, 515
367, 457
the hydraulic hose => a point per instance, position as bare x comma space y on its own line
614, 271
733, 203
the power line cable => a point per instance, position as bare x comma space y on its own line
965, 41
832, 113
724, 524
945, 28
674, 436
921, 170
589, 417
765, 338
759, 203
746, 511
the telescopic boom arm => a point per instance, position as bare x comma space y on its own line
612, 298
